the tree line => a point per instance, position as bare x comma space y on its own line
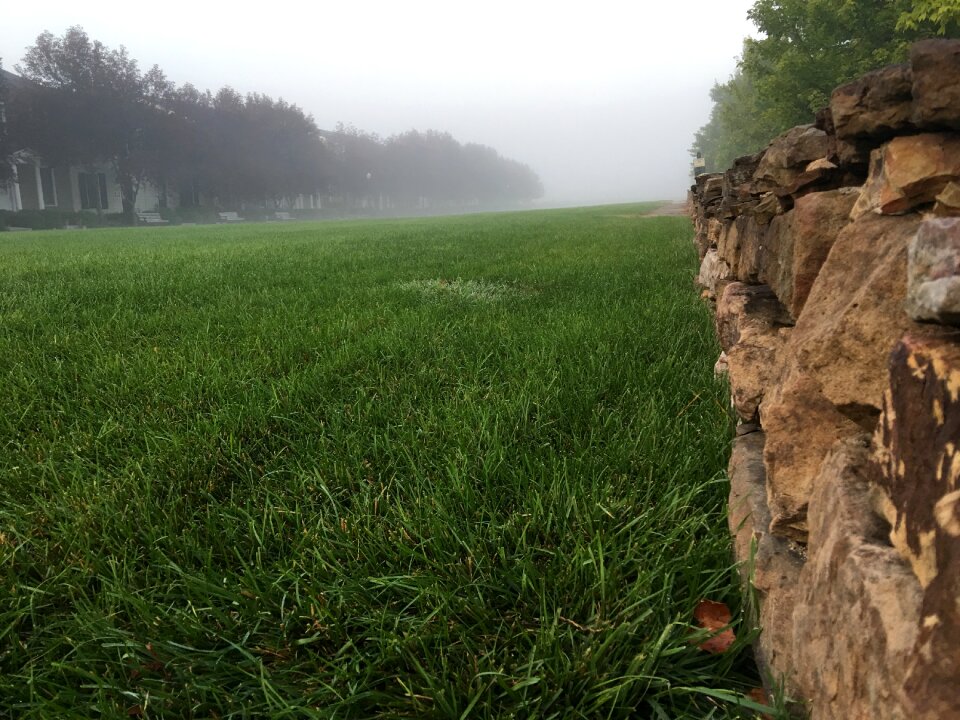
84, 103
806, 49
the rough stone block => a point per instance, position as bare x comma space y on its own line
877, 105
798, 243
933, 272
754, 365
936, 83
767, 208
917, 449
753, 328
833, 378
788, 155
909, 172
713, 270
745, 310
858, 608
712, 189
769, 563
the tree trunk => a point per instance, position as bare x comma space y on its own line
129, 187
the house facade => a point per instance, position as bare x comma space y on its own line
40, 186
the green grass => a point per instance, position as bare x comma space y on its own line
446, 468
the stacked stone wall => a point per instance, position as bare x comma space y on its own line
833, 261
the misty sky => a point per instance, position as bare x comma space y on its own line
600, 98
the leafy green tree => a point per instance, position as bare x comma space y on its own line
809, 47
806, 49
943, 15
6, 151
736, 126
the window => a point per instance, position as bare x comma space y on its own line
93, 191
48, 186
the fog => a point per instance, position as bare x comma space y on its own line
600, 98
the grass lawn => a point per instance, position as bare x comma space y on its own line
441, 468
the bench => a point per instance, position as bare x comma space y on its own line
230, 217
281, 215
150, 218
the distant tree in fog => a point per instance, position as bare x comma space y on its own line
89, 103
86, 103
6, 150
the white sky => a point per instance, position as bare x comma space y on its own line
601, 98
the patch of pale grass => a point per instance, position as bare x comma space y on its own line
483, 291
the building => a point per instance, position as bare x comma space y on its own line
38, 185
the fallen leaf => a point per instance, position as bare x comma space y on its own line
759, 696
715, 616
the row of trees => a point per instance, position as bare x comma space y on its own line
86, 103
807, 48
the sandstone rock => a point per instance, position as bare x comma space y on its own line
754, 365
858, 607
767, 208
740, 174
712, 189
821, 164
739, 193
712, 271
767, 562
908, 172
854, 155
745, 310
707, 234
820, 179
823, 120
787, 156
798, 242
936, 83
750, 249
753, 328
877, 105
741, 246
917, 447
917, 450
933, 272
728, 244
802, 426
720, 367
832, 382
948, 201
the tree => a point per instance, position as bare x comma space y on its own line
737, 126
6, 150
943, 15
806, 49
95, 104
809, 47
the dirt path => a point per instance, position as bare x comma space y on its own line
672, 209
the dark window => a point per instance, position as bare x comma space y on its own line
93, 191
47, 185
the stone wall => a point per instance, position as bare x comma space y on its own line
833, 260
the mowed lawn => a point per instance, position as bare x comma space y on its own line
440, 468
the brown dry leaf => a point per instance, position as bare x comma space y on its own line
759, 696
714, 616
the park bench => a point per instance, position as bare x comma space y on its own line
230, 217
281, 215
150, 218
